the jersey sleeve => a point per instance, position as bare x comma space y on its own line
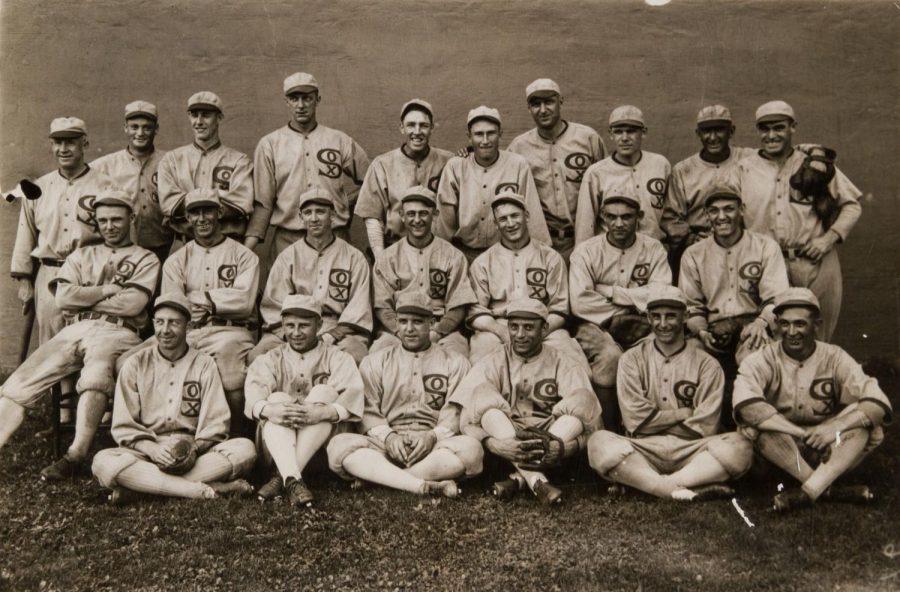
447, 222
71, 293
857, 387
371, 374
240, 298
357, 314
384, 282
847, 196
691, 284
707, 400
138, 289
262, 381
278, 286
373, 195
773, 282
264, 187
558, 281
126, 428
589, 196
450, 413
346, 379
459, 289
214, 419
480, 281
355, 163
586, 302
673, 220
171, 194
751, 405
22, 265
537, 224
660, 273
240, 187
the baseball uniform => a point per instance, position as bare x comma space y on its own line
158, 399
647, 180
558, 167
439, 270
464, 201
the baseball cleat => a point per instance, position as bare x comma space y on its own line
446, 488
236, 488
63, 469
122, 496
616, 490
298, 494
547, 494
508, 488
793, 499
849, 494
712, 492
272, 490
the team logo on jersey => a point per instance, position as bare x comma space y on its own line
331, 158
86, 213
657, 188
124, 271
640, 274
514, 187
227, 273
685, 391
578, 162
155, 179
545, 394
434, 182
438, 282
435, 390
154, 192
320, 378
751, 272
221, 177
190, 399
536, 279
339, 285
823, 391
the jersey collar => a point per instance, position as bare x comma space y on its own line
617, 161
413, 158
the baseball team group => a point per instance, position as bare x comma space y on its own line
533, 304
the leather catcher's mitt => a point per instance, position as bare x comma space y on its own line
725, 333
185, 453
627, 329
812, 179
553, 447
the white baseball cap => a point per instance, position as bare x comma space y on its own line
545, 86
316, 195
67, 127
114, 197
202, 196
665, 295
528, 308
483, 112
300, 81
141, 109
626, 115
775, 111
414, 302
416, 103
205, 100
301, 305
792, 297
420, 193
713, 115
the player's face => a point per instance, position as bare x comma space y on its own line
417, 128
627, 138
414, 331
545, 110
776, 136
484, 136
69, 152
725, 217
205, 124
797, 327
621, 221
301, 333
715, 139
114, 224
303, 106
141, 132
170, 328
204, 220
667, 323
417, 218
526, 335
512, 222
317, 218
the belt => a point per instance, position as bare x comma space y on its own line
793, 254
112, 319
222, 323
563, 233
52, 262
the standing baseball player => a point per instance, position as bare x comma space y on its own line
809, 406
671, 398
170, 420
134, 169
57, 223
469, 184
807, 227
643, 174
559, 152
414, 163
684, 219
301, 392
329, 269
422, 262
206, 164
609, 278
518, 267
103, 290
296, 158
410, 430
528, 403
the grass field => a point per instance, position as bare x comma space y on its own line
66, 538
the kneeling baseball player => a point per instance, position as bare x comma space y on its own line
170, 420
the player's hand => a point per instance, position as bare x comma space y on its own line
422, 445
819, 247
464, 151
26, 293
283, 414
821, 436
327, 339
250, 242
396, 448
313, 413
502, 334
515, 450
199, 300
161, 455
111, 290
434, 336
708, 342
755, 333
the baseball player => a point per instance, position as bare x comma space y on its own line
102, 290
559, 152
206, 164
809, 406
296, 158
469, 183
671, 397
410, 430
645, 174
327, 268
134, 170
609, 277
414, 163
170, 420
423, 262
684, 219
53, 226
301, 392
807, 238
515, 267
524, 385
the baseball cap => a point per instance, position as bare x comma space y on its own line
316, 195
508, 196
626, 115
300, 81
201, 197
420, 193
114, 197
175, 300
301, 305
775, 111
141, 109
721, 193
416, 104
792, 297
414, 302
545, 86
665, 295
67, 127
526, 308
713, 115
620, 196
482, 112
205, 100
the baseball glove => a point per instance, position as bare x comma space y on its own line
185, 453
725, 333
552, 446
627, 329
812, 179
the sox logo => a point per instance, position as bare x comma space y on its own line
545, 394
86, 213
438, 284
536, 279
221, 177
434, 182
124, 271
657, 188
190, 399
751, 272
339, 285
435, 386
320, 378
685, 391
640, 274
227, 273
514, 187
823, 391
331, 158
578, 162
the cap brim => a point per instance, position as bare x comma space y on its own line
66, 134
420, 199
301, 88
795, 304
666, 302
301, 312
714, 123
206, 106
507, 200
416, 310
543, 92
173, 305
316, 200
134, 114
483, 118
622, 200
775, 117
111, 202
415, 107
207, 203
524, 315
627, 122
721, 197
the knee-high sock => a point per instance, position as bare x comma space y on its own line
146, 477
282, 445
439, 465
91, 407
637, 472
211, 466
567, 428
781, 450
309, 439
703, 469
371, 465
842, 458
11, 417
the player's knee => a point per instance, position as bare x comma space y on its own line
734, 452
96, 377
322, 393
606, 451
240, 452
356, 346
876, 437
108, 463
581, 405
232, 374
470, 453
482, 344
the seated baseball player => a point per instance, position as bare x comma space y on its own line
301, 392
410, 430
528, 403
609, 276
671, 397
518, 266
170, 420
328, 268
423, 262
103, 292
809, 406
